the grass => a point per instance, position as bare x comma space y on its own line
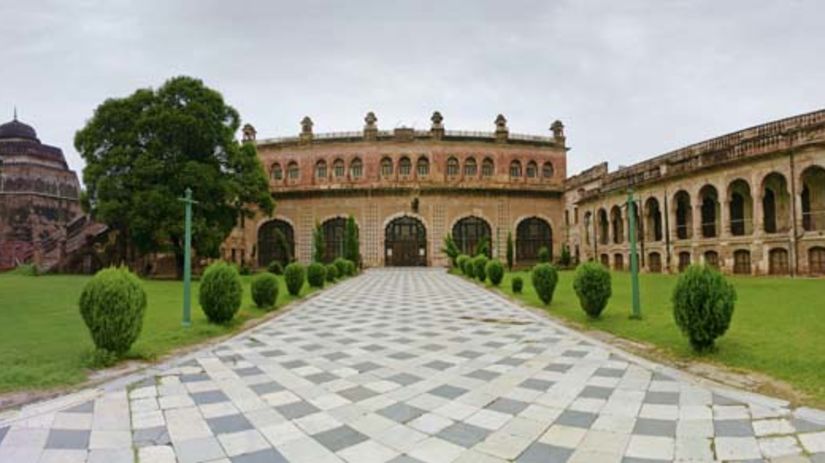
778, 325
44, 343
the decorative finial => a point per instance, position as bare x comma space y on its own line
558, 130
501, 122
15, 112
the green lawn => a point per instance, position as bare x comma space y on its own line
43, 341
778, 325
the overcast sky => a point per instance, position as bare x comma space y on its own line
630, 78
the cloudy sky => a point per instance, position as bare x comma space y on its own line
630, 78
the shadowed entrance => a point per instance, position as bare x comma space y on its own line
405, 243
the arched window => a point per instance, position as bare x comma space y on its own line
684, 215
547, 170
532, 169
292, 170
356, 168
334, 230
684, 261
618, 261
515, 169
487, 167
816, 260
605, 260
741, 208
603, 226
588, 222
653, 220
452, 167
423, 167
277, 172
532, 234
338, 168
742, 262
276, 242
470, 167
710, 211
813, 198
778, 261
469, 232
654, 262
386, 167
405, 166
712, 259
776, 203
617, 224
321, 169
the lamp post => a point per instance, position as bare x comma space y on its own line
634, 257
187, 259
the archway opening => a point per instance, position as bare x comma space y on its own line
742, 262
741, 208
617, 224
778, 261
334, 231
813, 198
603, 226
469, 232
276, 242
684, 216
654, 262
712, 259
653, 220
709, 198
816, 260
532, 234
405, 243
776, 204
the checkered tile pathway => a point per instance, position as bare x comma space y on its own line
411, 366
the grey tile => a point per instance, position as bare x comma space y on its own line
209, 397
293, 364
433, 347
559, 367
261, 456
438, 365
228, 424
357, 393
266, 388
404, 459
67, 439
158, 435
732, 428
469, 354
537, 384
194, 377
818, 458
576, 419
463, 434
651, 427
662, 398
806, 426
494, 344
402, 356
722, 400
3, 432
339, 438
87, 407
596, 392
544, 453
401, 412
321, 378
511, 361
643, 460
448, 392
365, 367
373, 348
273, 353
404, 379
484, 375
609, 372
312, 347
198, 450
574, 353
335, 356
509, 406
296, 410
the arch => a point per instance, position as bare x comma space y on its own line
321, 169
742, 262
338, 168
547, 170
292, 170
470, 167
618, 261
776, 204
452, 166
276, 242
532, 234
356, 168
469, 231
654, 262
487, 167
405, 242
275, 171
602, 224
423, 166
653, 220
740, 207
710, 211
532, 170
778, 261
684, 260
816, 260
684, 215
617, 224
404, 166
712, 259
813, 198
515, 169
334, 231
588, 221
386, 167
605, 260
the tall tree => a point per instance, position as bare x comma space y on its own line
352, 245
319, 245
144, 150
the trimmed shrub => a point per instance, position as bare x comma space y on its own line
469, 267
592, 285
460, 261
544, 255
275, 268
544, 279
351, 268
294, 275
332, 272
703, 305
245, 270
341, 264
517, 284
112, 304
29, 270
220, 292
265, 290
480, 267
316, 274
450, 249
510, 251
495, 272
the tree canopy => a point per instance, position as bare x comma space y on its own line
144, 150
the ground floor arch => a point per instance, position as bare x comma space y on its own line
532, 234
405, 242
334, 232
469, 232
276, 242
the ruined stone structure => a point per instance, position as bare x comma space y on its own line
407, 189
39, 195
750, 202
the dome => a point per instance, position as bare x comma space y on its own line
17, 129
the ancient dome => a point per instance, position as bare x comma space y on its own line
17, 129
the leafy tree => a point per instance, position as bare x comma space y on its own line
450, 249
142, 152
510, 252
483, 247
280, 240
352, 245
318, 244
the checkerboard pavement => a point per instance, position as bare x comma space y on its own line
410, 366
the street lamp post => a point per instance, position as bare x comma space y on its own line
634, 257
187, 259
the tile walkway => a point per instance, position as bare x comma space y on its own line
410, 366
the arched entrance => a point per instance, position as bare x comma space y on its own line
334, 231
532, 234
276, 242
469, 232
405, 243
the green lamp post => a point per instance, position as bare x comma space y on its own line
187, 259
634, 256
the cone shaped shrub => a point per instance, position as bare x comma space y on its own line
544, 278
592, 286
495, 271
480, 267
294, 276
332, 272
703, 305
544, 255
275, 268
112, 305
350, 267
265, 290
460, 261
341, 264
469, 267
517, 285
316, 274
220, 292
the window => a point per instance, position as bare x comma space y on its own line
338, 168
567, 217
356, 168
684, 261
277, 173
712, 259
816, 260
321, 169
742, 262
452, 167
470, 168
778, 261
532, 170
547, 170
515, 169
532, 234
654, 262
618, 262
605, 260
487, 167
405, 166
469, 232
423, 167
386, 167
292, 170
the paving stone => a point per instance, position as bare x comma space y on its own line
68, 439
596, 392
339, 438
733, 428
544, 453
404, 379
3, 432
401, 412
155, 436
537, 384
576, 419
448, 392
297, 410
266, 388
228, 424
652, 427
357, 393
209, 397
509, 406
463, 434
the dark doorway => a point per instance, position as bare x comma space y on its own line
469, 232
531, 235
334, 230
405, 243
276, 242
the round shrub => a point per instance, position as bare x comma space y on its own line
469, 267
275, 268
460, 261
350, 268
112, 305
332, 272
316, 274
703, 305
517, 284
495, 271
544, 278
544, 255
294, 278
592, 285
480, 267
265, 290
341, 264
220, 292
